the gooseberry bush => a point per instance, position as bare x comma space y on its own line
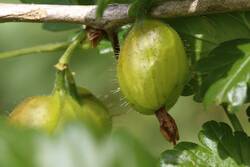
207, 57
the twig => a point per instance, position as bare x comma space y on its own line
115, 15
35, 49
65, 58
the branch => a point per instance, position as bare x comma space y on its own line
35, 49
115, 15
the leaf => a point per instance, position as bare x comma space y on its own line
248, 113
228, 68
104, 47
202, 34
189, 87
13, 147
220, 147
140, 8
102, 5
74, 146
128, 151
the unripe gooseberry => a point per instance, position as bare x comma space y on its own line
94, 111
48, 113
42, 112
152, 66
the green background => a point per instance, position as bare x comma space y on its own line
34, 75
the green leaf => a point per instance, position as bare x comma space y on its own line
248, 113
102, 5
104, 47
228, 68
13, 147
202, 34
220, 147
73, 146
189, 87
140, 8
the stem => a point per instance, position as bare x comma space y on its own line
233, 119
59, 82
72, 88
35, 49
64, 60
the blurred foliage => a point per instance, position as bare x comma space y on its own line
74, 146
248, 113
140, 8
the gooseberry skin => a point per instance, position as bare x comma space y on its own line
94, 111
50, 113
152, 66
40, 112
70, 110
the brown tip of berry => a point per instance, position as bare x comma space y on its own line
168, 126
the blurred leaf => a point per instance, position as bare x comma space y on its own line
202, 34
140, 8
127, 151
248, 113
60, 26
228, 69
123, 32
74, 146
13, 147
189, 87
105, 47
221, 148
102, 5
